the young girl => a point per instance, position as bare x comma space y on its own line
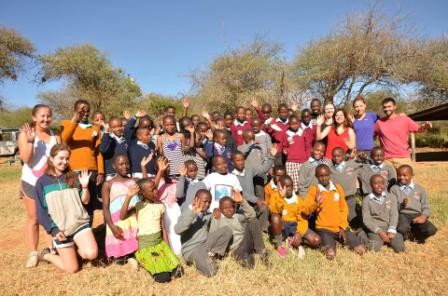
121, 234
154, 253
171, 145
59, 200
191, 149
35, 142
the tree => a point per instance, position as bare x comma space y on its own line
91, 76
15, 118
155, 104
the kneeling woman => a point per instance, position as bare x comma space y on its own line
60, 197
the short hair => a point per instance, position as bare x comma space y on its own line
389, 100
279, 167
306, 110
376, 148
228, 113
337, 149
81, 102
406, 166
234, 154
358, 99
284, 178
141, 130
190, 162
218, 132
203, 191
119, 155
315, 100
169, 107
322, 166
143, 182
215, 159
282, 105
114, 118
166, 117
376, 176
319, 143
292, 117
226, 198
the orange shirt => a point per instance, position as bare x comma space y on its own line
84, 145
332, 214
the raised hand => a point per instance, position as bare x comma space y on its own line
237, 197
294, 106
320, 120
29, 133
273, 151
205, 115
162, 163
186, 102
209, 134
140, 113
281, 189
84, 178
147, 159
133, 190
190, 129
196, 205
254, 103
182, 170
217, 213
105, 126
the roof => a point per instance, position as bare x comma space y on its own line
435, 113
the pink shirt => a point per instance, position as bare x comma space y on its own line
394, 133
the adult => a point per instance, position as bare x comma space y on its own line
83, 139
35, 142
340, 134
393, 132
364, 126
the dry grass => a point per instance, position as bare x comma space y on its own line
422, 270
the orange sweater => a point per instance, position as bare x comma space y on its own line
84, 145
269, 191
332, 214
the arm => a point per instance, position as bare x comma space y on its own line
310, 204
183, 143
67, 130
302, 223
367, 217
159, 146
351, 143
180, 187
84, 178
184, 222
99, 158
163, 227
343, 209
42, 211
426, 211
322, 134
106, 143
248, 211
129, 130
26, 143
393, 219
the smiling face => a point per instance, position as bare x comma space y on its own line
192, 170
378, 184
318, 151
266, 109
339, 117
220, 138
169, 125
227, 207
204, 198
306, 117
389, 108
42, 117
283, 112
195, 119
238, 161
289, 186
294, 124
256, 125
228, 120
315, 107
60, 161
360, 108
329, 111
404, 175
143, 135
98, 119
149, 191
241, 114
121, 165
377, 155
220, 165
116, 127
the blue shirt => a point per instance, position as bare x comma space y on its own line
364, 130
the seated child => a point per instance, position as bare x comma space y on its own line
380, 217
153, 253
247, 236
188, 172
287, 221
378, 166
327, 201
271, 189
199, 246
413, 206
307, 176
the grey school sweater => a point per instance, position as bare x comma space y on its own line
307, 175
380, 214
418, 203
237, 223
346, 174
253, 154
368, 170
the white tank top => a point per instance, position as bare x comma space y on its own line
35, 168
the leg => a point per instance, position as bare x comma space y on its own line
375, 242
32, 225
94, 203
397, 244
66, 260
404, 225
263, 216
276, 229
424, 230
259, 187
354, 243
351, 203
218, 241
328, 243
256, 236
87, 247
311, 239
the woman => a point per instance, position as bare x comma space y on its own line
340, 134
363, 125
35, 142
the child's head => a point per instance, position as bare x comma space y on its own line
315, 106
248, 136
238, 160
124, 121
220, 137
42, 116
204, 199
249, 114
318, 150
323, 174
116, 126
169, 124
279, 171
170, 111
378, 184
228, 119
294, 123
377, 155
58, 161
201, 129
266, 109
220, 165
227, 206
143, 135
82, 107
283, 111
192, 169
338, 155
185, 122
286, 182
195, 119
98, 118
148, 190
291, 112
146, 122
256, 125
121, 165
405, 174
241, 114
215, 115
306, 116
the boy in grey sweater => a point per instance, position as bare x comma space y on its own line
199, 246
380, 217
307, 174
376, 167
413, 206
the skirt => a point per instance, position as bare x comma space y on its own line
157, 258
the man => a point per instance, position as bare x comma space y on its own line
393, 132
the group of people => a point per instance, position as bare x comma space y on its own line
207, 186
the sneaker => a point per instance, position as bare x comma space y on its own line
133, 263
301, 251
281, 251
33, 259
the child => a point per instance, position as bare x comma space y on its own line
153, 253
287, 221
327, 200
192, 146
378, 166
218, 147
262, 138
228, 121
98, 120
380, 217
172, 145
139, 149
188, 175
344, 172
296, 143
59, 200
413, 206
277, 128
264, 113
239, 125
121, 235
112, 144
271, 189
307, 126
307, 175
199, 246
221, 183
247, 236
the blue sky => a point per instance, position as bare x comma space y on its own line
160, 42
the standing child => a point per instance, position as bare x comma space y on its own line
153, 253
239, 125
277, 129
140, 148
218, 147
413, 206
307, 126
327, 201
261, 137
380, 217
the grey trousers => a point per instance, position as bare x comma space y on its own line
217, 243
252, 241
375, 242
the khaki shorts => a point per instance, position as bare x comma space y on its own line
397, 162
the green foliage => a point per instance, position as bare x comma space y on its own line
15, 118
154, 104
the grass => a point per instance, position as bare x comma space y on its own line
422, 270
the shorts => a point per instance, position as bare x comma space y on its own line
27, 190
70, 239
290, 229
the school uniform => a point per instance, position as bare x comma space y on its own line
368, 170
277, 129
307, 174
380, 213
265, 142
137, 151
213, 149
237, 128
254, 159
110, 146
418, 204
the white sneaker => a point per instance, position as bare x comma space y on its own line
133, 263
301, 252
33, 259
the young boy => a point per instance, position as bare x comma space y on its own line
188, 176
413, 206
307, 176
239, 125
378, 166
380, 217
247, 237
139, 149
200, 247
277, 128
261, 137
327, 201
308, 127
218, 147
287, 221
344, 172
271, 189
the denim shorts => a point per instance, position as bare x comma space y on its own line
70, 239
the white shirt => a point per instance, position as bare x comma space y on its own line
220, 186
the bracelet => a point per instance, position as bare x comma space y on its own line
85, 187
